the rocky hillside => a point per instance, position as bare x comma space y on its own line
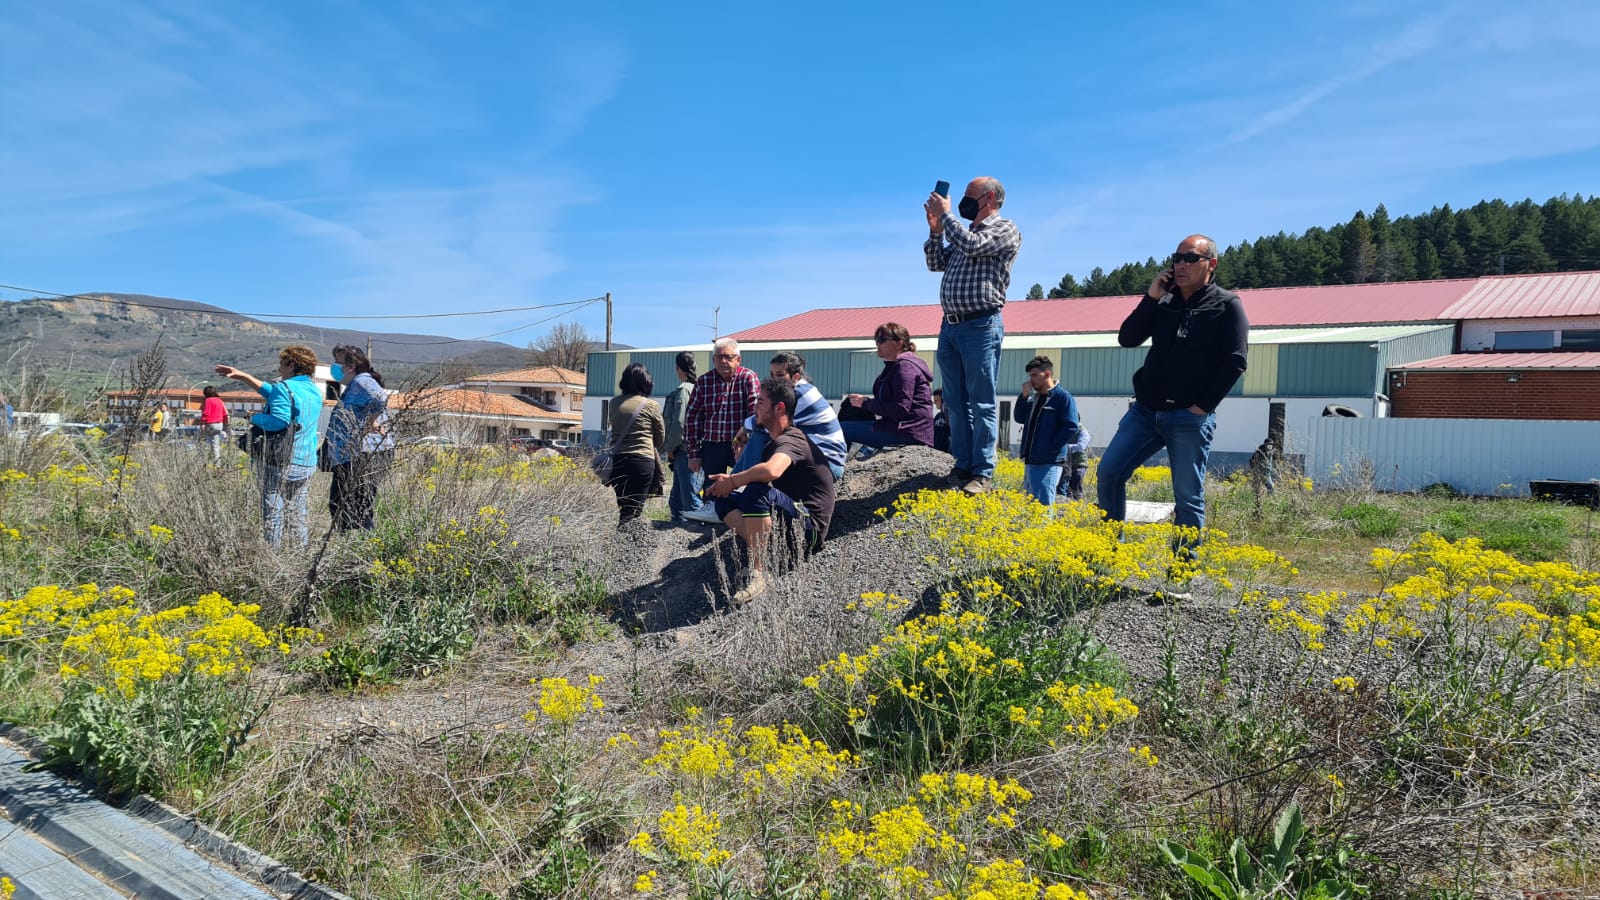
87, 341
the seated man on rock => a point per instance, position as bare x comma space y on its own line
792, 481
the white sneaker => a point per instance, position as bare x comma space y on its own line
706, 514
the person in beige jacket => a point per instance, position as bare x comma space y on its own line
638, 448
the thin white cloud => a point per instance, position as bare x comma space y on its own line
1416, 39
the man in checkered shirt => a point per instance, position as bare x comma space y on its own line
722, 399
976, 262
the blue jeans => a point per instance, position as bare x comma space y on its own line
283, 494
1141, 433
861, 432
969, 363
1040, 482
685, 496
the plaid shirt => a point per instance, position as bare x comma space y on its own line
976, 263
717, 408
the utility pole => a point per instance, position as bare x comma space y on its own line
608, 320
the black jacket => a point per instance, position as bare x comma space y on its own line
1198, 348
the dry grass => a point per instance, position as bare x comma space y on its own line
428, 782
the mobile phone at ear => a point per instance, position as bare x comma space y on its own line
942, 188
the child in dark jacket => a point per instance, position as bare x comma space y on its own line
1049, 419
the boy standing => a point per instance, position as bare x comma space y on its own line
1049, 419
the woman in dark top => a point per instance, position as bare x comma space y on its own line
902, 398
635, 450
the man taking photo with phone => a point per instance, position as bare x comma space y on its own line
976, 261
1199, 344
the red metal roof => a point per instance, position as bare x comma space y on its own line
1523, 361
1530, 297
1346, 304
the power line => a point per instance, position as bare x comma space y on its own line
256, 315
491, 334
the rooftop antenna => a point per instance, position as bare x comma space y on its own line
716, 316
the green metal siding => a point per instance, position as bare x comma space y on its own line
1414, 347
1261, 376
864, 368
663, 370
1321, 370
603, 373
829, 370
1098, 371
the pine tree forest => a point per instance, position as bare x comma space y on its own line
1491, 238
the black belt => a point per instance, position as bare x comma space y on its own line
958, 318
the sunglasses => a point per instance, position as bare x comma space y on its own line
1190, 258
727, 356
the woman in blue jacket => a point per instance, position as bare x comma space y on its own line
293, 396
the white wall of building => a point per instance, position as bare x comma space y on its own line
1478, 334
1475, 456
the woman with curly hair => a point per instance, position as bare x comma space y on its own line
293, 399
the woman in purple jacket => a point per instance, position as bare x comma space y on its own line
902, 398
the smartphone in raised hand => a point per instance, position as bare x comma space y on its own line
942, 188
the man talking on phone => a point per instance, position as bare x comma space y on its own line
976, 261
1198, 338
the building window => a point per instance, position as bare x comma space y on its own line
491, 434
1580, 340
549, 434
1524, 340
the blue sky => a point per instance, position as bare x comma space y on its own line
366, 157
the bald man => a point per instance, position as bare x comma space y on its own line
1199, 346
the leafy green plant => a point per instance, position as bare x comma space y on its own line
1372, 520
1241, 876
962, 688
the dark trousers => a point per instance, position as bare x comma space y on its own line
631, 477
716, 457
353, 495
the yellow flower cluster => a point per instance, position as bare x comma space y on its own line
105, 639
935, 830
1009, 880
1442, 587
563, 702
1092, 709
688, 833
1152, 475
1072, 551
759, 760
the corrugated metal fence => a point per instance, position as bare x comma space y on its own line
1474, 456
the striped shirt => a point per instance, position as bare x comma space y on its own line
976, 263
717, 408
815, 418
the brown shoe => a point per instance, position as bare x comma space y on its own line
755, 587
978, 485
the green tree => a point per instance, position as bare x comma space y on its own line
1068, 287
1360, 254
1428, 265
1036, 292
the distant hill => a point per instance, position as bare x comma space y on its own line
87, 341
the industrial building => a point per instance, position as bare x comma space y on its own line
1357, 346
